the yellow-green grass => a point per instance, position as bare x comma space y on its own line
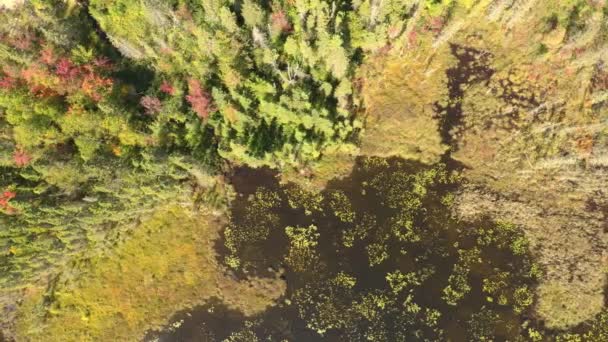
167, 264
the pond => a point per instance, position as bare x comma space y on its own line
374, 255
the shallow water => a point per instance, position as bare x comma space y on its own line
215, 322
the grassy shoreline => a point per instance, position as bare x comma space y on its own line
167, 265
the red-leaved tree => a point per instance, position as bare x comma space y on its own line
199, 99
21, 158
280, 21
5, 197
167, 88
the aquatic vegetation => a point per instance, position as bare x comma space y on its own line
443, 272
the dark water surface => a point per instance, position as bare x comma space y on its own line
215, 322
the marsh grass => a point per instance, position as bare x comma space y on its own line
166, 265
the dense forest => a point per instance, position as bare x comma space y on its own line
303, 170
